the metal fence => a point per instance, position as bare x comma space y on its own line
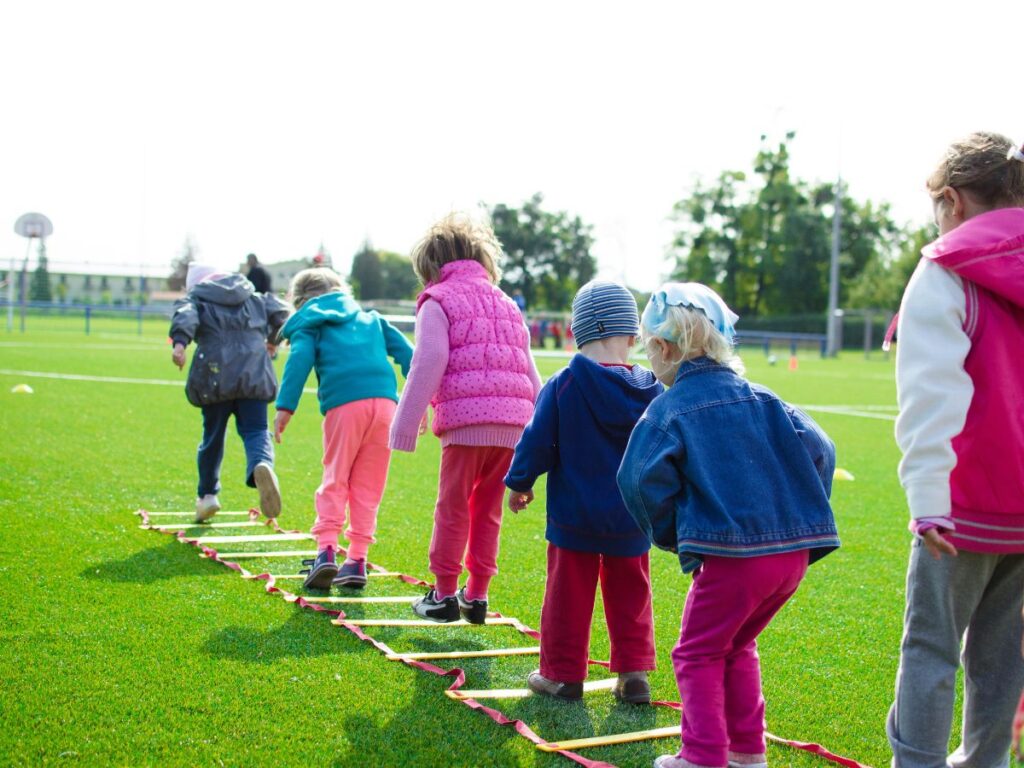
84, 318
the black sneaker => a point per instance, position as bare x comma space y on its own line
351, 574
321, 571
537, 683
473, 611
442, 611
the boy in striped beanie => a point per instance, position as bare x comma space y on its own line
577, 436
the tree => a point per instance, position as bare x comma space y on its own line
547, 255
179, 265
39, 289
764, 242
398, 277
367, 276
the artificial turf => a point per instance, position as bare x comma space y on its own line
121, 646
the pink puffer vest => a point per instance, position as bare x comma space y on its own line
987, 252
486, 381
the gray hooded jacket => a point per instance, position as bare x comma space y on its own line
230, 324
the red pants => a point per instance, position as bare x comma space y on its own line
467, 518
569, 610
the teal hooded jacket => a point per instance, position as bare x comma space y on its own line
347, 347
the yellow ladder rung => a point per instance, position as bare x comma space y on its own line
193, 514
303, 575
172, 526
250, 555
519, 693
249, 539
381, 599
614, 738
466, 654
417, 622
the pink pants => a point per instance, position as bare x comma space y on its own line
470, 490
568, 613
356, 457
717, 668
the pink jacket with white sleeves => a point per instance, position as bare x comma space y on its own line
960, 383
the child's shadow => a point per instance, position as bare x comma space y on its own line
145, 566
302, 635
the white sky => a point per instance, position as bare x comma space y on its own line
268, 127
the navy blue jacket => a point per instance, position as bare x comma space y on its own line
577, 436
720, 466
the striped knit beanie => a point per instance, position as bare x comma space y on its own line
601, 309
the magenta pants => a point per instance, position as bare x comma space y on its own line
717, 668
467, 518
568, 613
356, 457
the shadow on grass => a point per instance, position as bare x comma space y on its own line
397, 743
302, 635
147, 566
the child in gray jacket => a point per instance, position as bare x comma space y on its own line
231, 375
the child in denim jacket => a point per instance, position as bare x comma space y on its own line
736, 483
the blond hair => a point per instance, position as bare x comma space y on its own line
317, 281
694, 334
983, 165
457, 237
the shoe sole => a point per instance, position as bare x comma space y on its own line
633, 699
321, 577
270, 492
353, 582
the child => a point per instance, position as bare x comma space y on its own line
231, 374
959, 381
349, 350
736, 483
577, 435
472, 363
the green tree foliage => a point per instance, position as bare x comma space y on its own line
764, 241
382, 275
39, 289
547, 255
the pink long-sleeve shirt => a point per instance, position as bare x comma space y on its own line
429, 362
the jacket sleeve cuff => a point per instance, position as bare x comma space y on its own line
519, 486
405, 443
929, 497
286, 410
180, 338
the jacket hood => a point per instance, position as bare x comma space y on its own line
616, 400
230, 290
986, 249
328, 309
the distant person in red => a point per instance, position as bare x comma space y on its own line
258, 276
556, 333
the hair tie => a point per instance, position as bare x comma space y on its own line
1015, 154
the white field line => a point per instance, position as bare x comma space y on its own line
104, 379
846, 410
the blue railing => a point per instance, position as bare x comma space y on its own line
16, 316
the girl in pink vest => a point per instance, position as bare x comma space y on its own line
959, 379
472, 363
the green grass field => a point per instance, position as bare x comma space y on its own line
121, 646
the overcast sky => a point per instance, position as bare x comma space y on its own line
270, 127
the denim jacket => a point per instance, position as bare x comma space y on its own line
720, 466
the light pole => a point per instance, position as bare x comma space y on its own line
834, 313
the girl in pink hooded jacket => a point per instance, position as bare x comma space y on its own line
959, 379
472, 363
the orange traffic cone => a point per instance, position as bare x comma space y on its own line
793, 363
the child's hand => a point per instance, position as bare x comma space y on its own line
280, 422
424, 425
937, 544
518, 500
178, 356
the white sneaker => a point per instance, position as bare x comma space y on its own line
270, 493
742, 760
207, 507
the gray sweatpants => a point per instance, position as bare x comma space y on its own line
981, 594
